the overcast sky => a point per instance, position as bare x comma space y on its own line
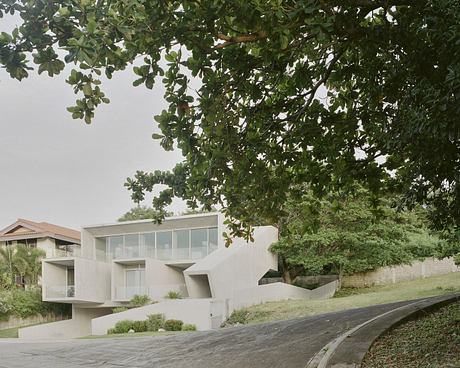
62, 171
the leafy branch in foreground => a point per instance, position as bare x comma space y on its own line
290, 92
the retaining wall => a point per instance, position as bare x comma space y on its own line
390, 275
14, 322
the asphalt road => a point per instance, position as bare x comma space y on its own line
282, 344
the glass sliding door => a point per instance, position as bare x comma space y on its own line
164, 245
135, 283
212, 239
132, 246
181, 245
199, 243
147, 243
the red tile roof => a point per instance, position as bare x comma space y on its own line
44, 227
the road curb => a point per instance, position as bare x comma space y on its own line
349, 349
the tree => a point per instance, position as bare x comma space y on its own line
139, 213
342, 234
19, 260
323, 92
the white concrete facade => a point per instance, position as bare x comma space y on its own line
185, 254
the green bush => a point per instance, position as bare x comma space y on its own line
123, 326
140, 300
188, 327
173, 325
173, 295
111, 331
155, 322
119, 309
238, 316
140, 326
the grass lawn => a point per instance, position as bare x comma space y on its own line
134, 334
362, 297
9, 333
429, 341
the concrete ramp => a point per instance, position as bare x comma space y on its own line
239, 266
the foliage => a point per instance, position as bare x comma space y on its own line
238, 316
119, 309
111, 331
289, 92
188, 327
140, 326
139, 213
139, 300
173, 325
343, 234
155, 321
173, 295
25, 303
432, 340
19, 260
123, 326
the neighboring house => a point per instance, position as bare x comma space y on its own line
53, 239
186, 254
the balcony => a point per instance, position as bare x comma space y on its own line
127, 292
60, 291
155, 292
74, 251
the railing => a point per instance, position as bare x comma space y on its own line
175, 254
155, 292
60, 253
128, 292
60, 291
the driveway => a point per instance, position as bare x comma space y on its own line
289, 343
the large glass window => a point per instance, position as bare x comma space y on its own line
131, 246
147, 242
212, 239
116, 247
199, 243
181, 244
164, 245
135, 283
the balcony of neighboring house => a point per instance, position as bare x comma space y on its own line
64, 249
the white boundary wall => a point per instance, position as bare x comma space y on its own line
390, 275
190, 311
279, 291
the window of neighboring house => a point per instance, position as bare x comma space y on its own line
32, 243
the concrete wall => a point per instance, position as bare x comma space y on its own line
161, 279
92, 280
32, 320
279, 291
196, 311
79, 325
238, 267
388, 275
320, 280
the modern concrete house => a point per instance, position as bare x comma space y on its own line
185, 254
53, 239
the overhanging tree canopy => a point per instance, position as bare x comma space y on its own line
260, 123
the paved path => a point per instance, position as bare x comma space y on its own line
289, 344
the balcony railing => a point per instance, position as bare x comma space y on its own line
60, 253
60, 291
155, 292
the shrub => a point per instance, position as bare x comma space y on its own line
188, 327
140, 300
140, 326
155, 321
173, 295
123, 326
173, 325
111, 331
238, 316
119, 309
